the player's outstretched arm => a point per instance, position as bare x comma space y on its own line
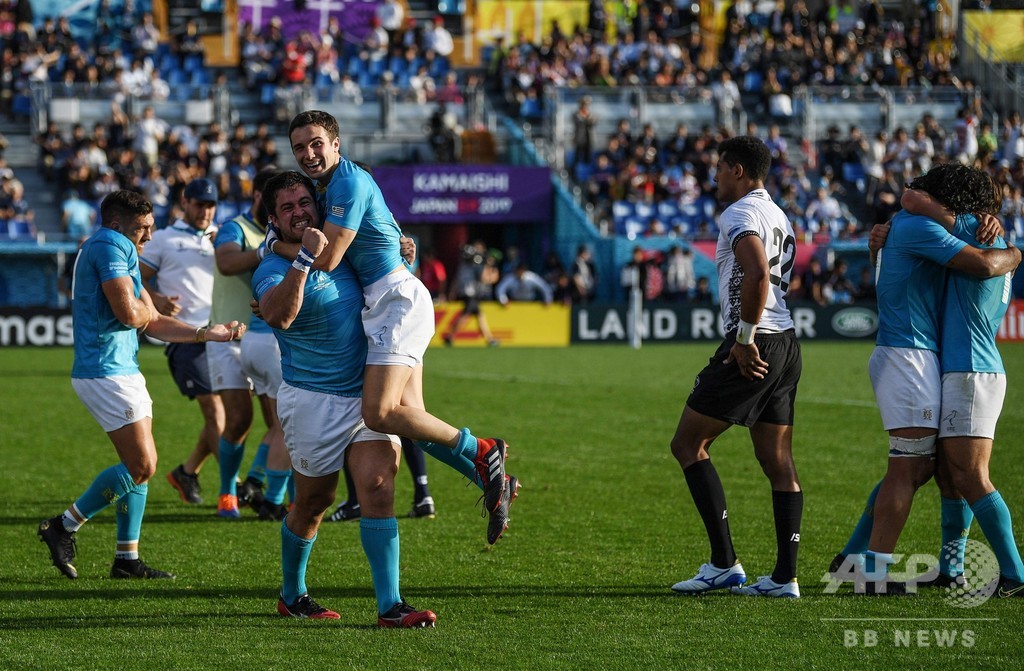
170, 329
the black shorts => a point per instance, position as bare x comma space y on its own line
189, 369
721, 392
471, 306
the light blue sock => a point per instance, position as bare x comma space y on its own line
458, 461
876, 565
956, 522
858, 542
130, 510
230, 457
294, 558
277, 482
107, 488
259, 463
291, 488
467, 445
380, 543
994, 520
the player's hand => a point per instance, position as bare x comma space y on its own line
254, 305
989, 228
314, 240
747, 357
166, 305
225, 332
879, 234
272, 236
408, 249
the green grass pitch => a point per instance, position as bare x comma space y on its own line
604, 525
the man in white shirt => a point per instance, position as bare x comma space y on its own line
523, 285
438, 38
177, 268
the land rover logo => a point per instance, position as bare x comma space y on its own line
855, 322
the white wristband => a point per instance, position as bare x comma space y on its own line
745, 333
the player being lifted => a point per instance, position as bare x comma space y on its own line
398, 315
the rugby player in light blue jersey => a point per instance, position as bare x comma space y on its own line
109, 307
973, 388
315, 315
905, 368
398, 315
252, 365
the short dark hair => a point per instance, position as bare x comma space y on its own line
258, 183
284, 180
315, 118
961, 188
749, 152
124, 204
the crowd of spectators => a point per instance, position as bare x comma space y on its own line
490, 274
397, 53
767, 55
154, 158
17, 219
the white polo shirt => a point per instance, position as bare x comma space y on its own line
183, 259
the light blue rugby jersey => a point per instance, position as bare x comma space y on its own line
231, 231
972, 312
103, 345
910, 280
324, 350
353, 200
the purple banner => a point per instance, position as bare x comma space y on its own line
466, 193
353, 16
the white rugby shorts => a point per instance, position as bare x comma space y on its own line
261, 362
318, 428
971, 403
115, 401
224, 359
398, 319
908, 387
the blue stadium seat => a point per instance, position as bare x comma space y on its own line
583, 171
201, 77
21, 230
633, 227
227, 210
21, 106
268, 93
753, 81
192, 62
176, 77
668, 210
645, 210
622, 209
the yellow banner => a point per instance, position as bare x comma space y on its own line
531, 17
515, 325
1003, 31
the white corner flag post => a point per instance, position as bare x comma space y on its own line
635, 314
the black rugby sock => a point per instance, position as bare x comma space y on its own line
788, 508
706, 489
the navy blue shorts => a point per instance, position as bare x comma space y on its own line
189, 369
721, 392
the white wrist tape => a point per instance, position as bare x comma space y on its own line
745, 333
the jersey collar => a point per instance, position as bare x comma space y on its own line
182, 226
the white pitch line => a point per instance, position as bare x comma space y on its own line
851, 402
